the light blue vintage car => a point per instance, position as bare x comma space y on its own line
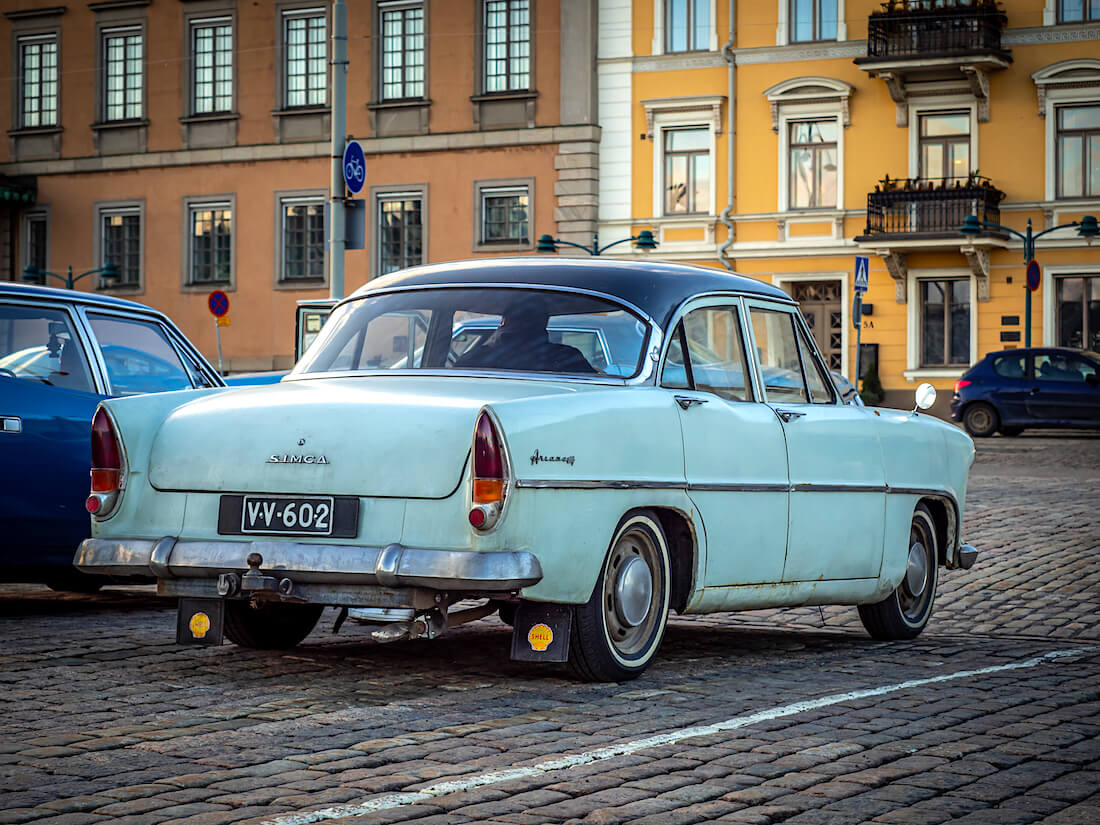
583, 446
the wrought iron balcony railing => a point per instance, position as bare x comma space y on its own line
922, 29
928, 208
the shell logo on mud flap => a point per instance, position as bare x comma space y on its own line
199, 625
540, 637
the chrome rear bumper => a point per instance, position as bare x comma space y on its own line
335, 564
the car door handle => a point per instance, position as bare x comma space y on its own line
686, 402
1034, 391
11, 424
789, 415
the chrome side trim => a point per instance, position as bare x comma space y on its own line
602, 484
740, 488
390, 566
839, 488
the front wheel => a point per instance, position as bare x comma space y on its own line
269, 626
904, 613
617, 632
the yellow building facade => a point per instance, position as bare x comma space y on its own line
784, 138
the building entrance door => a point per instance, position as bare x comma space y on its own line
820, 303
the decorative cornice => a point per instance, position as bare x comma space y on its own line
787, 54
26, 14
111, 5
711, 104
676, 62
1051, 34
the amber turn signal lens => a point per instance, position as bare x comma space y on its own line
488, 490
104, 481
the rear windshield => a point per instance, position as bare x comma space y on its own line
482, 329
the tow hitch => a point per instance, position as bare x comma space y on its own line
254, 582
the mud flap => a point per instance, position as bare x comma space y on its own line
541, 632
200, 622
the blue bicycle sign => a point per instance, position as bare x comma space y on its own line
355, 167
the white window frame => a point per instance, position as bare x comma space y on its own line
106, 34
931, 106
694, 118
659, 28
1051, 97
193, 25
401, 5
794, 113
783, 30
283, 200
20, 113
39, 213
285, 16
380, 196
1050, 299
106, 209
913, 369
201, 203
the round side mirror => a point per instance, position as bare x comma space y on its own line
926, 396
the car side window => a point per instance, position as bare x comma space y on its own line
1061, 367
820, 385
39, 344
1010, 366
138, 356
716, 352
674, 375
777, 349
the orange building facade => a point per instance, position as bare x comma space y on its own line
188, 143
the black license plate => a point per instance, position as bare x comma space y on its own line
335, 516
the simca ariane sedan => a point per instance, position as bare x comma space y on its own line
582, 446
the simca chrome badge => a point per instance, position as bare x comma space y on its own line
286, 458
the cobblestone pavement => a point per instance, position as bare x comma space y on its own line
104, 719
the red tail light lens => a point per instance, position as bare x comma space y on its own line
106, 455
489, 472
962, 382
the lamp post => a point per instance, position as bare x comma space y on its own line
34, 275
644, 240
1087, 228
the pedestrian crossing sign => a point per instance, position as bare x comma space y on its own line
862, 274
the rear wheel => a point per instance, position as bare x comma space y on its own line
904, 613
981, 420
617, 632
269, 626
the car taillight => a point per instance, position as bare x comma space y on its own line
490, 474
106, 465
962, 382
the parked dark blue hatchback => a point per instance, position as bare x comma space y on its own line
1011, 390
61, 353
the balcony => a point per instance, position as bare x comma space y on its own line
905, 216
911, 43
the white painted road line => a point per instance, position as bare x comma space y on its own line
398, 800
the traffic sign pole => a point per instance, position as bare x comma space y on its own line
339, 139
862, 284
218, 303
218, 332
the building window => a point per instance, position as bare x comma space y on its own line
402, 51
303, 239
505, 215
306, 58
120, 244
944, 145
687, 25
1079, 312
400, 231
212, 66
507, 45
211, 243
687, 171
38, 81
813, 163
1077, 11
123, 71
813, 20
1078, 151
945, 322
35, 240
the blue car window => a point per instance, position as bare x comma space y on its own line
138, 356
716, 352
1061, 367
38, 344
1010, 366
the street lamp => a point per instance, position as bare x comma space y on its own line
34, 275
1087, 228
644, 240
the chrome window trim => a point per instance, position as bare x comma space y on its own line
703, 301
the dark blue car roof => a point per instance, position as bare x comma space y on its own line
71, 296
655, 287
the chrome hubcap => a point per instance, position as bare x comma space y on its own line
916, 570
633, 592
